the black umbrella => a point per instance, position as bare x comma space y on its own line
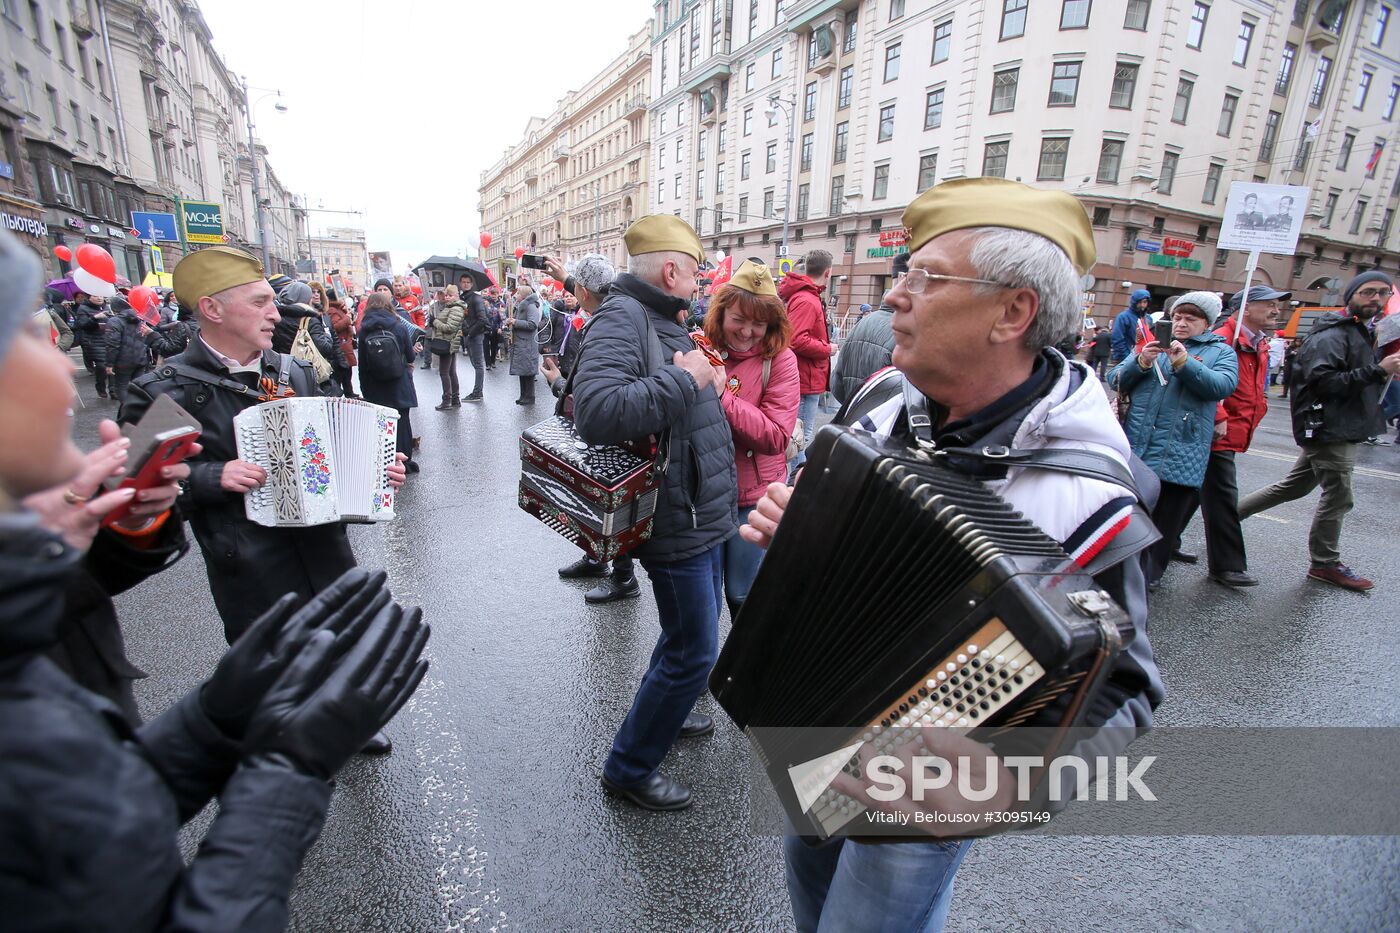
480, 276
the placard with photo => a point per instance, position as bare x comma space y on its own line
1262, 217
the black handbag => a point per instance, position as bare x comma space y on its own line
439, 346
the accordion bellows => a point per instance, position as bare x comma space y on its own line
899, 594
327, 460
602, 498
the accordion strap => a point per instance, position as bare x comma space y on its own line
1086, 463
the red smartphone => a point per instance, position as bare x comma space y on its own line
171, 447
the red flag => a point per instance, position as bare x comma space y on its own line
1375, 158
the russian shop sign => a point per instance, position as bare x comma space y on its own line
22, 224
203, 222
1173, 262
876, 252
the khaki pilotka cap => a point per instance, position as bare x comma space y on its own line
663, 233
211, 270
996, 202
753, 277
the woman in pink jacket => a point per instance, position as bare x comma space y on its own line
748, 326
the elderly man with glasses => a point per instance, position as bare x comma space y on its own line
1337, 385
995, 282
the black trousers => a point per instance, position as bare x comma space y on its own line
1175, 506
403, 440
1220, 508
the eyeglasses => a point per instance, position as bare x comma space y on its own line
916, 280
1374, 293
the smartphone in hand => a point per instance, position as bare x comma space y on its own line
1162, 332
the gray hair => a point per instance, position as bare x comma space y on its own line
648, 266
594, 273
1021, 259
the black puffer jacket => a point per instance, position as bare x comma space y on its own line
1336, 383
125, 344
88, 329
618, 397
90, 810
866, 351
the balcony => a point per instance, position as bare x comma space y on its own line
637, 103
561, 152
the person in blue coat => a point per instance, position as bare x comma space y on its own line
1175, 393
399, 392
1129, 324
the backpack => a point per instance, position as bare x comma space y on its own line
797, 442
381, 356
304, 348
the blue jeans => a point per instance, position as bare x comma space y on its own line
741, 560
688, 594
807, 412
477, 347
852, 887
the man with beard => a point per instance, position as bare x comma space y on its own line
1336, 400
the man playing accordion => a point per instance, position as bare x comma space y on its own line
994, 283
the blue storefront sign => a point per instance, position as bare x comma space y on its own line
1147, 246
153, 226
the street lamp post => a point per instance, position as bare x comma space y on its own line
253, 159
788, 108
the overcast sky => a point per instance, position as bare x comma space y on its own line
395, 108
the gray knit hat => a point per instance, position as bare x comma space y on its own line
594, 273
294, 293
19, 288
1208, 302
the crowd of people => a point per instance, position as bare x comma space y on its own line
724, 372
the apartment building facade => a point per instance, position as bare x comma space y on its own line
1146, 110
579, 176
342, 249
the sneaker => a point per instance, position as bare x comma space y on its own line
585, 566
611, 590
474, 397
1343, 576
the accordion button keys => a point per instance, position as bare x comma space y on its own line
1001, 659
1015, 665
951, 667
904, 720
962, 659
971, 649
942, 675
932, 684
963, 721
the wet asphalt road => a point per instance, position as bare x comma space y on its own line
488, 815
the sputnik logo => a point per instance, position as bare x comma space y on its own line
811, 779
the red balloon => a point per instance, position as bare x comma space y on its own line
415, 288
146, 303
485, 239
96, 273
64, 253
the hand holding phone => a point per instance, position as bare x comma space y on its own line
165, 436
1162, 332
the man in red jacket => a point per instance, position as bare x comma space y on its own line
802, 294
1235, 420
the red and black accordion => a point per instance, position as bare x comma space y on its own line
602, 498
899, 594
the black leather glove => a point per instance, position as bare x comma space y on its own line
253, 663
338, 692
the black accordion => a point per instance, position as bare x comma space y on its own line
899, 594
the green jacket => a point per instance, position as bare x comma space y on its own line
447, 323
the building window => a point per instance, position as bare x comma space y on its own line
748, 121
848, 43
1212, 188
804, 198
677, 185
838, 195
777, 71
882, 182
1110, 161
896, 9
699, 184
1136, 17
809, 102
1329, 209
994, 159
1266, 144
886, 131
1228, 107
679, 156
779, 15
753, 18
1359, 216
1182, 105
26, 88
1167, 179
768, 203
942, 41
661, 191
1013, 19
1064, 84
1375, 162
701, 141
1074, 14
1054, 152
1390, 100
1004, 90
1285, 68
1319, 85
745, 165
1196, 31
1363, 88
723, 141
806, 151
1102, 215
891, 62
770, 162
1124, 84
748, 76
928, 170
1382, 20
77, 121
838, 154
55, 111
744, 209
1242, 42
60, 39
1344, 154
933, 109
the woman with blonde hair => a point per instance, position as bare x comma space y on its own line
748, 326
